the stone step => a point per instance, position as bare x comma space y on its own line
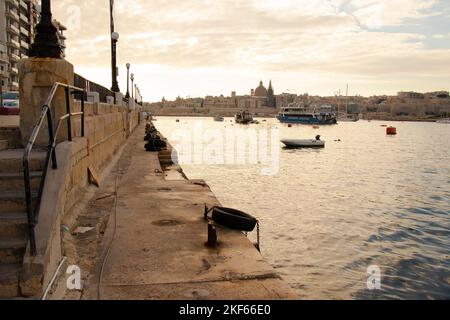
12, 135
13, 224
12, 160
4, 145
13, 181
9, 281
14, 201
12, 249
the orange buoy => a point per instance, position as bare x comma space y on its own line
391, 131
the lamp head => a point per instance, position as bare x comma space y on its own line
128, 66
115, 36
132, 77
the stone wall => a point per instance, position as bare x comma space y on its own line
107, 128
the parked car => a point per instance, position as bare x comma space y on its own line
11, 105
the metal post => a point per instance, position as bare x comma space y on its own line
132, 86
128, 81
114, 38
51, 136
46, 43
82, 114
69, 120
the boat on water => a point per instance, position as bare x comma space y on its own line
219, 119
244, 117
304, 143
348, 117
310, 115
444, 121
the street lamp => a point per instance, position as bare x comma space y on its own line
115, 83
46, 43
128, 81
132, 85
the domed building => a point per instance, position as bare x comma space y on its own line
262, 97
261, 91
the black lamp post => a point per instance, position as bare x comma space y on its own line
115, 83
114, 39
46, 43
128, 81
132, 86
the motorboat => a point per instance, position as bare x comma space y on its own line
304, 143
302, 114
244, 117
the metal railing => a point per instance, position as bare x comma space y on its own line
46, 114
90, 86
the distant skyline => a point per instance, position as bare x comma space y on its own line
203, 47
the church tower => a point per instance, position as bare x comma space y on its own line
271, 100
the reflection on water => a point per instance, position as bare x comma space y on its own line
368, 199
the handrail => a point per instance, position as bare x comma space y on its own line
33, 212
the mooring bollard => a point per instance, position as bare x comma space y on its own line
212, 236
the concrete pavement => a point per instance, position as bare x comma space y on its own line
159, 252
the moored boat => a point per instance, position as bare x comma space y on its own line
304, 143
244, 117
294, 113
219, 119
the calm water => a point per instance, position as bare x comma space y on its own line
327, 215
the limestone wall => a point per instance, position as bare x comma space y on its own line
107, 128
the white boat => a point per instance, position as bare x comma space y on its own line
444, 121
304, 143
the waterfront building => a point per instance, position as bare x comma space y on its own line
61, 37
18, 19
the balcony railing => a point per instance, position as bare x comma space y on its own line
13, 3
13, 43
13, 15
12, 28
14, 57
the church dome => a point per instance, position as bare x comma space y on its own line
261, 91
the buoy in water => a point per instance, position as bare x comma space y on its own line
391, 131
289, 125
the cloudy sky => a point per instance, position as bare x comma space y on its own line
212, 47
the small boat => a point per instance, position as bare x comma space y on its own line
244, 117
447, 121
219, 119
308, 143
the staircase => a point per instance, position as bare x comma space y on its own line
13, 214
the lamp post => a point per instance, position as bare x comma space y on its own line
132, 86
115, 83
46, 43
114, 39
128, 81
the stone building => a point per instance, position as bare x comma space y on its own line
18, 19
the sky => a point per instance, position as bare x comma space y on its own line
195, 48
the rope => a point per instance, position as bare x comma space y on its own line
258, 243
